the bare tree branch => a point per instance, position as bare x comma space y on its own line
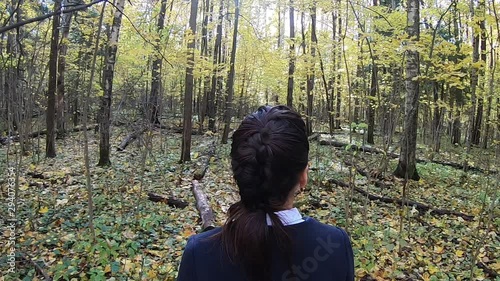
44, 17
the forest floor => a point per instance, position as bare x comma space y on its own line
138, 239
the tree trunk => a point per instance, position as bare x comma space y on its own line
407, 165
474, 82
478, 121
371, 106
491, 92
330, 98
230, 80
281, 25
107, 75
217, 55
189, 85
456, 134
310, 72
50, 144
359, 89
61, 68
291, 64
10, 83
339, 76
438, 114
204, 53
156, 69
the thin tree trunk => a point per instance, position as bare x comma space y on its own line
474, 82
456, 133
50, 144
330, 99
370, 111
437, 116
217, 55
280, 27
108, 74
339, 76
370, 106
61, 69
85, 135
291, 63
491, 89
230, 80
156, 70
310, 72
189, 85
478, 121
407, 163
204, 53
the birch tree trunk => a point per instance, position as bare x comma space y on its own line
407, 165
107, 75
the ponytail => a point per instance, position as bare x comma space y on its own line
269, 150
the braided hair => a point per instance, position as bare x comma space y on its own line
268, 153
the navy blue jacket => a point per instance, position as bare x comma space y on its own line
320, 253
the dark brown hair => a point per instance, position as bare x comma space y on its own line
269, 151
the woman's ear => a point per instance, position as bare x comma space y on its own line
303, 177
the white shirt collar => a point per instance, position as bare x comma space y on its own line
287, 217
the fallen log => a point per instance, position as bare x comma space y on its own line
368, 149
175, 130
5, 140
130, 138
205, 162
173, 202
203, 205
314, 136
419, 206
378, 181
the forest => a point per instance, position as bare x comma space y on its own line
116, 120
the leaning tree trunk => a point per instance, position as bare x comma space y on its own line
189, 85
107, 75
291, 63
407, 165
156, 70
61, 69
230, 80
50, 142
